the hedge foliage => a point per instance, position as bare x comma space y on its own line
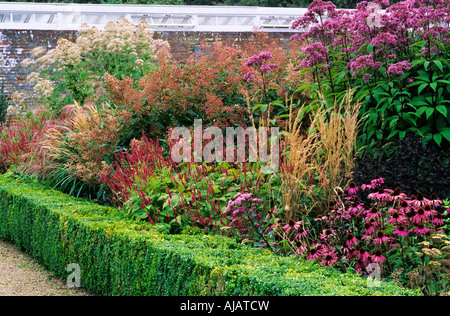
120, 257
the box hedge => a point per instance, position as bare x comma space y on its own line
121, 257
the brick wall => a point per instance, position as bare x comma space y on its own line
16, 45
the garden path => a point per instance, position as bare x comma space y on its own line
21, 275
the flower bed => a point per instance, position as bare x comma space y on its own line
120, 257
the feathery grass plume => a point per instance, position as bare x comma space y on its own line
318, 158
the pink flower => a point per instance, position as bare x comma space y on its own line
378, 256
267, 68
249, 77
398, 195
362, 254
419, 201
421, 229
329, 258
327, 233
400, 231
438, 220
373, 213
434, 201
351, 240
352, 188
292, 225
315, 53
369, 229
381, 238
382, 195
420, 216
397, 69
315, 252
258, 60
362, 62
377, 181
396, 217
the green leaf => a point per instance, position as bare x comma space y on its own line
439, 65
437, 138
429, 111
422, 86
446, 133
442, 109
433, 85
392, 134
421, 110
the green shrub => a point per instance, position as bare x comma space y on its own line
120, 257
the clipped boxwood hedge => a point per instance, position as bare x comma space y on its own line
121, 257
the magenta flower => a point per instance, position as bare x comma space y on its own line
327, 233
385, 39
397, 69
434, 201
396, 218
329, 258
398, 195
429, 211
301, 233
292, 225
381, 238
249, 77
362, 62
362, 254
315, 252
382, 195
351, 240
316, 53
373, 213
355, 208
258, 60
420, 216
377, 181
378, 256
419, 200
352, 188
369, 229
400, 231
421, 229
438, 220
267, 68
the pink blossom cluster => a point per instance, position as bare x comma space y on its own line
360, 233
316, 53
259, 61
244, 215
349, 33
397, 68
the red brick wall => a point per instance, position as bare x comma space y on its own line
15, 46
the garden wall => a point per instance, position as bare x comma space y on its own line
16, 45
121, 257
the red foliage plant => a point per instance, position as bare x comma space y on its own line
16, 140
208, 86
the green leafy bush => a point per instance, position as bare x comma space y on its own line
74, 71
400, 65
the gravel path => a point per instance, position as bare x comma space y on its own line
21, 275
